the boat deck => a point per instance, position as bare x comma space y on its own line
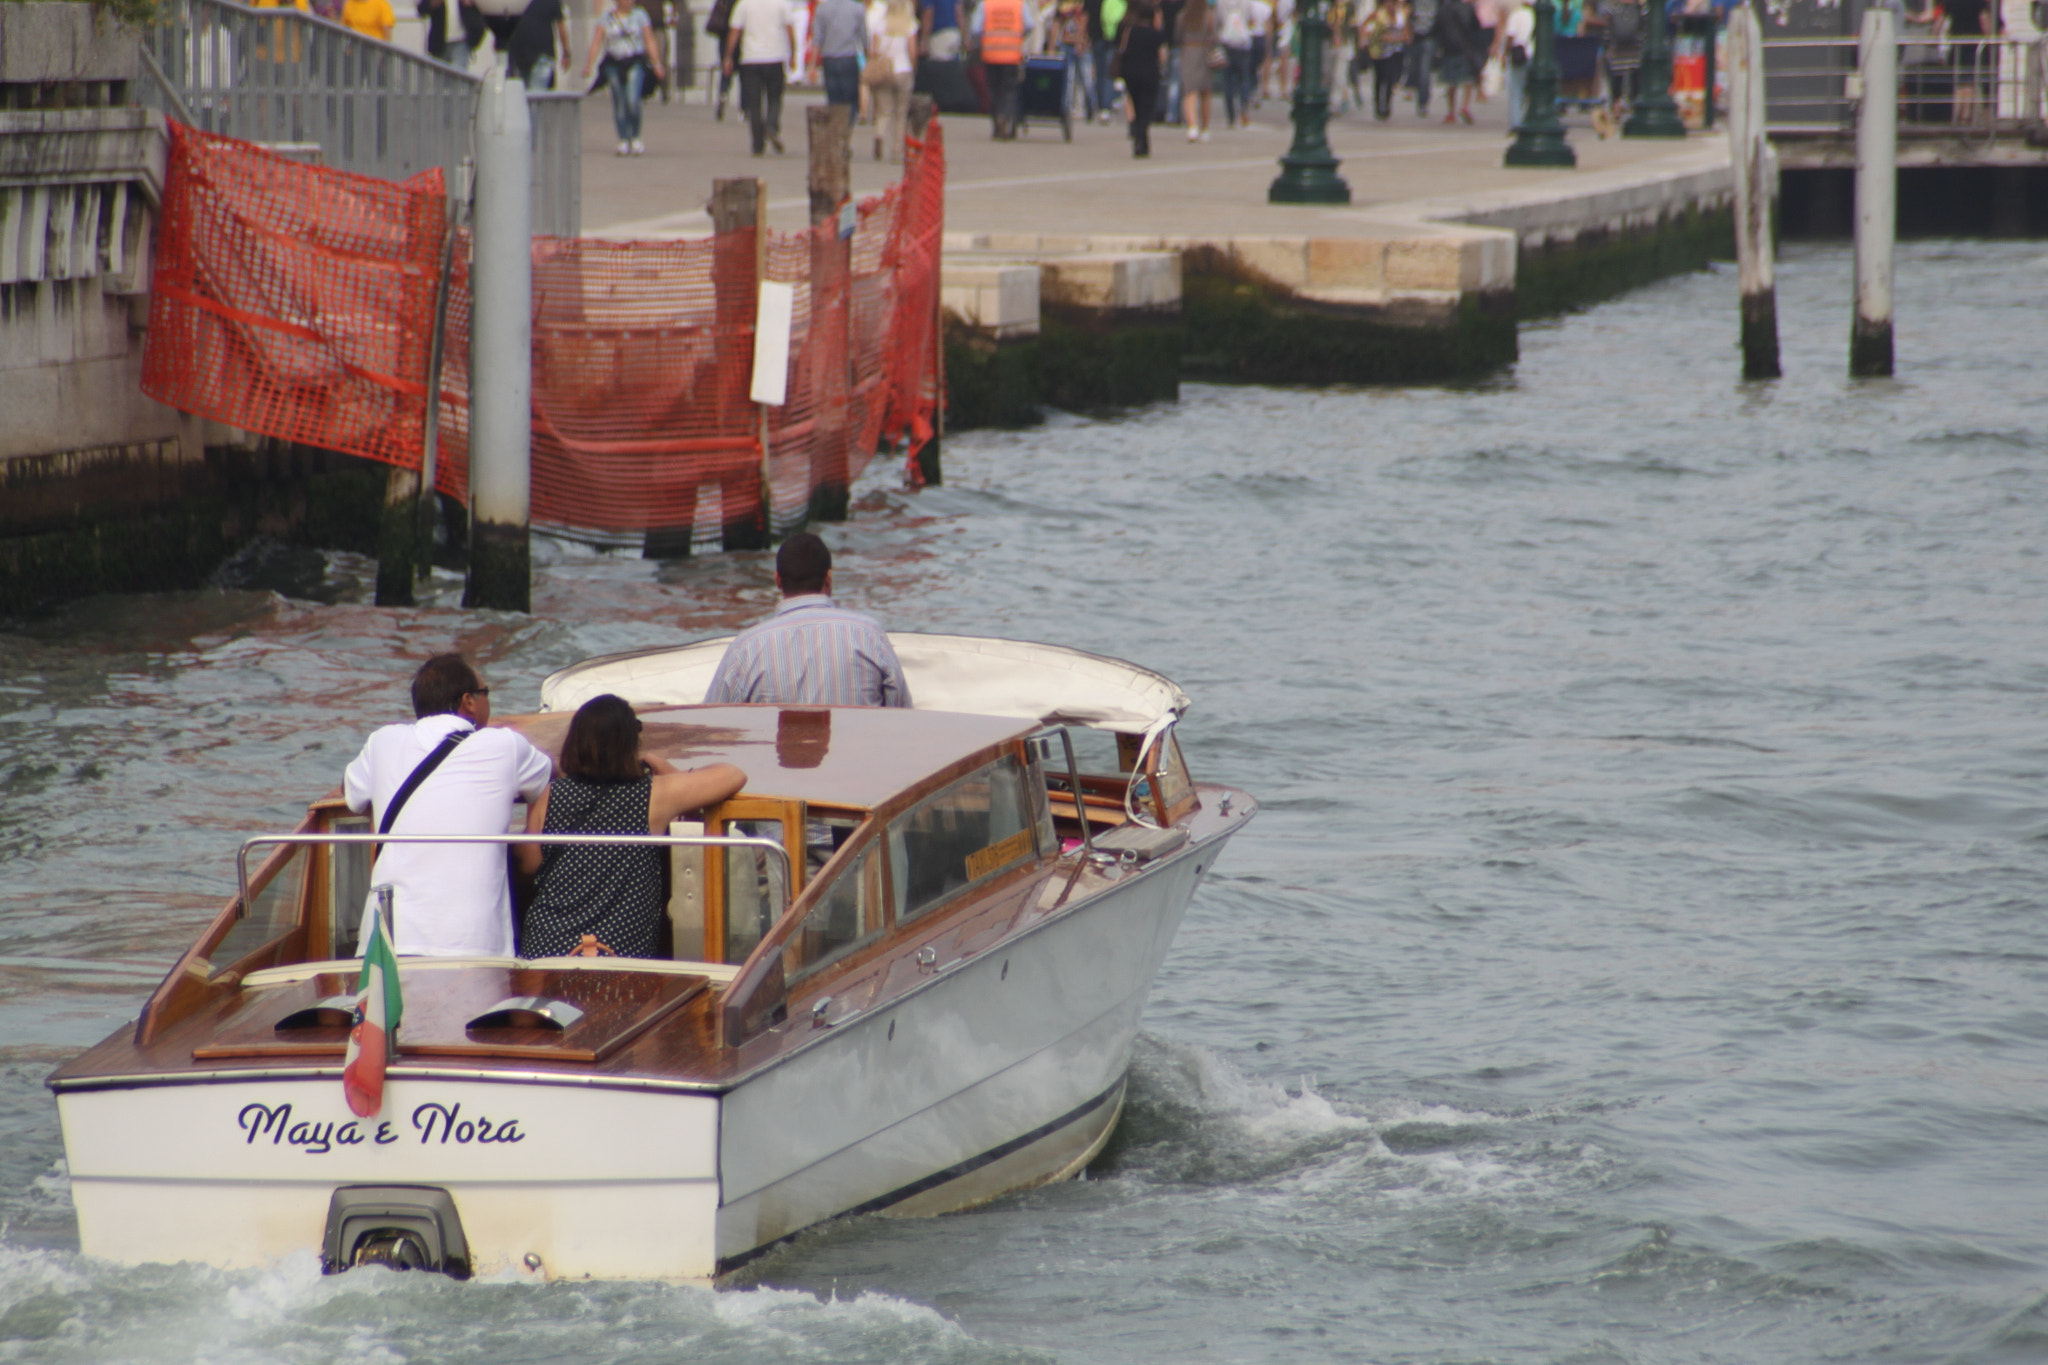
617, 1043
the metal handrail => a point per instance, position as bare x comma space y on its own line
282, 75
163, 83
610, 840
1813, 87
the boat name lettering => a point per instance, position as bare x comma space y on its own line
433, 1122
447, 1121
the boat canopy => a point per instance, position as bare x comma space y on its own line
1050, 684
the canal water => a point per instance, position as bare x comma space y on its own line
1640, 956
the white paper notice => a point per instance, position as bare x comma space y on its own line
773, 317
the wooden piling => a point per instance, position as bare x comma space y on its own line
923, 109
1877, 189
831, 193
397, 538
1756, 267
737, 248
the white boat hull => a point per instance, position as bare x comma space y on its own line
1004, 1071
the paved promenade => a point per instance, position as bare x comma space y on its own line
1399, 171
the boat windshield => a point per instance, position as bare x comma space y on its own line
272, 913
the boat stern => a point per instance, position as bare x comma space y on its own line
565, 1181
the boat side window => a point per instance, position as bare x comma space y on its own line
348, 885
847, 915
277, 891
976, 828
754, 893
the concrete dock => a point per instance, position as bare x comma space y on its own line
1435, 218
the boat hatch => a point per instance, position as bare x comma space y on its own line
484, 1011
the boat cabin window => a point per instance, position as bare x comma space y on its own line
848, 915
977, 828
275, 895
348, 886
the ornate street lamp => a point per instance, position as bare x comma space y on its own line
1308, 172
1656, 113
1540, 139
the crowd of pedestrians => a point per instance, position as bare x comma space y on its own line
1143, 62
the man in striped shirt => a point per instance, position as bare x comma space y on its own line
810, 653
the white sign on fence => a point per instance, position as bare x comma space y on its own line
773, 317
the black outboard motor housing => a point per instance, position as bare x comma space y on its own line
403, 1227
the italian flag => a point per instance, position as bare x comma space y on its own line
372, 1038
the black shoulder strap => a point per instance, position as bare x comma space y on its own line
419, 775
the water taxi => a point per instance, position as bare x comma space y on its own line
902, 973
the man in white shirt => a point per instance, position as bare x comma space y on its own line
448, 900
760, 43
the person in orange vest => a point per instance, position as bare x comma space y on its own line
1002, 26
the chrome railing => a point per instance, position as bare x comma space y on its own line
282, 76
1948, 87
781, 854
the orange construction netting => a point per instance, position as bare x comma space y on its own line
294, 301
299, 303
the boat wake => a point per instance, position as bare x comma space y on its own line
61, 1307
1194, 1118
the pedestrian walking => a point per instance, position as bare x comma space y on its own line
454, 29
840, 28
1421, 51
657, 39
1383, 39
1109, 18
1234, 37
758, 45
1462, 44
1001, 26
718, 24
1138, 69
623, 36
1069, 39
540, 42
1200, 55
891, 69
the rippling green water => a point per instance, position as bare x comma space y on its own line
1640, 957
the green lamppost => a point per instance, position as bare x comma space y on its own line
1540, 140
1656, 113
1308, 173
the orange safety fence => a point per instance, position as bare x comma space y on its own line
299, 303
294, 301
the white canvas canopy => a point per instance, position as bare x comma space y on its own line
985, 677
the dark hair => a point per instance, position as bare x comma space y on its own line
441, 684
604, 741
802, 563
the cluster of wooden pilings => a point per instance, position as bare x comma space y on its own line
1877, 178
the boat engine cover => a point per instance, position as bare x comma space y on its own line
419, 1221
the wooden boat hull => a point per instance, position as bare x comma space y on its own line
1005, 1070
